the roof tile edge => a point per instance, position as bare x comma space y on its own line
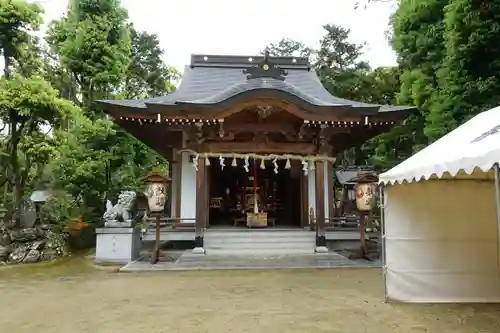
206, 60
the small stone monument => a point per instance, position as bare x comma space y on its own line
28, 213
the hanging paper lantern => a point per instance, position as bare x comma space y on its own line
234, 163
288, 165
262, 164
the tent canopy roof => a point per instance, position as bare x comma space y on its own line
472, 146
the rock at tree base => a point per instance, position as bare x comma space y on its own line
24, 235
4, 253
30, 245
4, 239
18, 255
32, 256
49, 255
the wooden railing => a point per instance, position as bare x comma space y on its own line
171, 224
337, 223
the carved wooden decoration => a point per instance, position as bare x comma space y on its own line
221, 130
266, 69
264, 111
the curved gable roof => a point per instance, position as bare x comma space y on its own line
211, 80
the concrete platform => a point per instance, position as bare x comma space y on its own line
188, 261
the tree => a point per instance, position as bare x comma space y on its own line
344, 75
417, 37
469, 74
336, 52
147, 75
93, 44
95, 159
449, 54
27, 104
17, 19
338, 64
287, 47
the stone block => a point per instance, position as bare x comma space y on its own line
117, 245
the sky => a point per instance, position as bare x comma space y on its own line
240, 27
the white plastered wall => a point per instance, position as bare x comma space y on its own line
442, 242
311, 189
188, 189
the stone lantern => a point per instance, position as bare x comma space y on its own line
156, 193
39, 197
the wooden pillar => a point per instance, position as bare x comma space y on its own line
329, 182
177, 178
201, 210
304, 189
208, 184
320, 205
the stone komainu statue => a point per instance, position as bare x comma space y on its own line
127, 210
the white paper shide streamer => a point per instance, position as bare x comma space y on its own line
308, 162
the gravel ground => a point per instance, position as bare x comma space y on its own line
73, 296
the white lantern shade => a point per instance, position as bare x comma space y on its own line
365, 196
157, 196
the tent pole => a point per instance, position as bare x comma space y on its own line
382, 240
496, 170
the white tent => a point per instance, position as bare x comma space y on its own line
441, 218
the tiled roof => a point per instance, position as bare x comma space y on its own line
212, 80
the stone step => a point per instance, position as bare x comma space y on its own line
258, 251
259, 246
258, 240
270, 235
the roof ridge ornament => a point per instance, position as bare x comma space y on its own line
266, 69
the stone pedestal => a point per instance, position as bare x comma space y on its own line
198, 245
321, 249
117, 245
118, 224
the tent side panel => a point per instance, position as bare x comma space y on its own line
441, 242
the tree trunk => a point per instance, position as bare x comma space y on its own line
14, 161
7, 65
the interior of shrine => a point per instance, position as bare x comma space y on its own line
232, 193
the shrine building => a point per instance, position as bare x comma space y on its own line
251, 141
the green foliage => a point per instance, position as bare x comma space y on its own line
147, 75
450, 55
336, 52
32, 100
17, 19
60, 208
95, 52
93, 43
94, 161
418, 39
469, 76
287, 47
344, 75
26, 104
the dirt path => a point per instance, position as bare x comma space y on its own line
76, 298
